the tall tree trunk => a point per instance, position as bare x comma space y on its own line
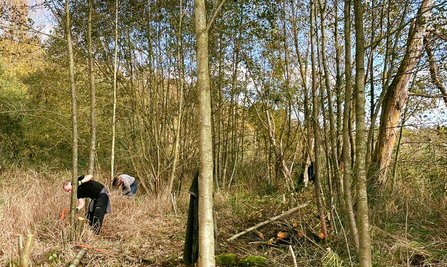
180, 77
397, 93
338, 90
74, 180
360, 168
206, 221
388, 63
346, 117
315, 124
370, 143
91, 162
115, 69
308, 142
332, 137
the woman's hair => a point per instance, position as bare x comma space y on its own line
116, 181
67, 183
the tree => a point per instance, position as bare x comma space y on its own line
346, 148
74, 180
115, 69
206, 221
91, 162
360, 168
315, 121
396, 95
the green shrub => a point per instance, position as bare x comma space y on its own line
253, 261
225, 260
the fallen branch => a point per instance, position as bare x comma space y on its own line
267, 221
78, 258
293, 256
95, 249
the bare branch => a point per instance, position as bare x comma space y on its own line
214, 15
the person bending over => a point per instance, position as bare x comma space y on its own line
99, 204
128, 183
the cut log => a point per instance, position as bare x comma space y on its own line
291, 211
80, 226
25, 251
259, 234
78, 258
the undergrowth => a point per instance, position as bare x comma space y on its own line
408, 227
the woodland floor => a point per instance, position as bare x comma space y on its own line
142, 231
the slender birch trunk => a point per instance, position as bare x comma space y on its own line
332, 137
115, 69
316, 124
360, 168
74, 179
91, 162
180, 109
346, 117
206, 220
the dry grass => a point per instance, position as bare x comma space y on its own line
138, 228
142, 231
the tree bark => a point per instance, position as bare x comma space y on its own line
74, 179
316, 124
338, 90
91, 162
180, 109
396, 95
346, 117
115, 69
303, 73
206, 220
79, 257
332, 137
24, 252
360, 168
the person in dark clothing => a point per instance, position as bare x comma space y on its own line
99, 204
191, 248
310, 175
311, 172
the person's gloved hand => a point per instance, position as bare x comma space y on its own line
79, 182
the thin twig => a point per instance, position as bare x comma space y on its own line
293, 256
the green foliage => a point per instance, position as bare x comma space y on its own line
52, 257
225, 260
253, 261
13, 263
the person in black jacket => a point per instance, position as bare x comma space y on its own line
99, 204
191, 247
